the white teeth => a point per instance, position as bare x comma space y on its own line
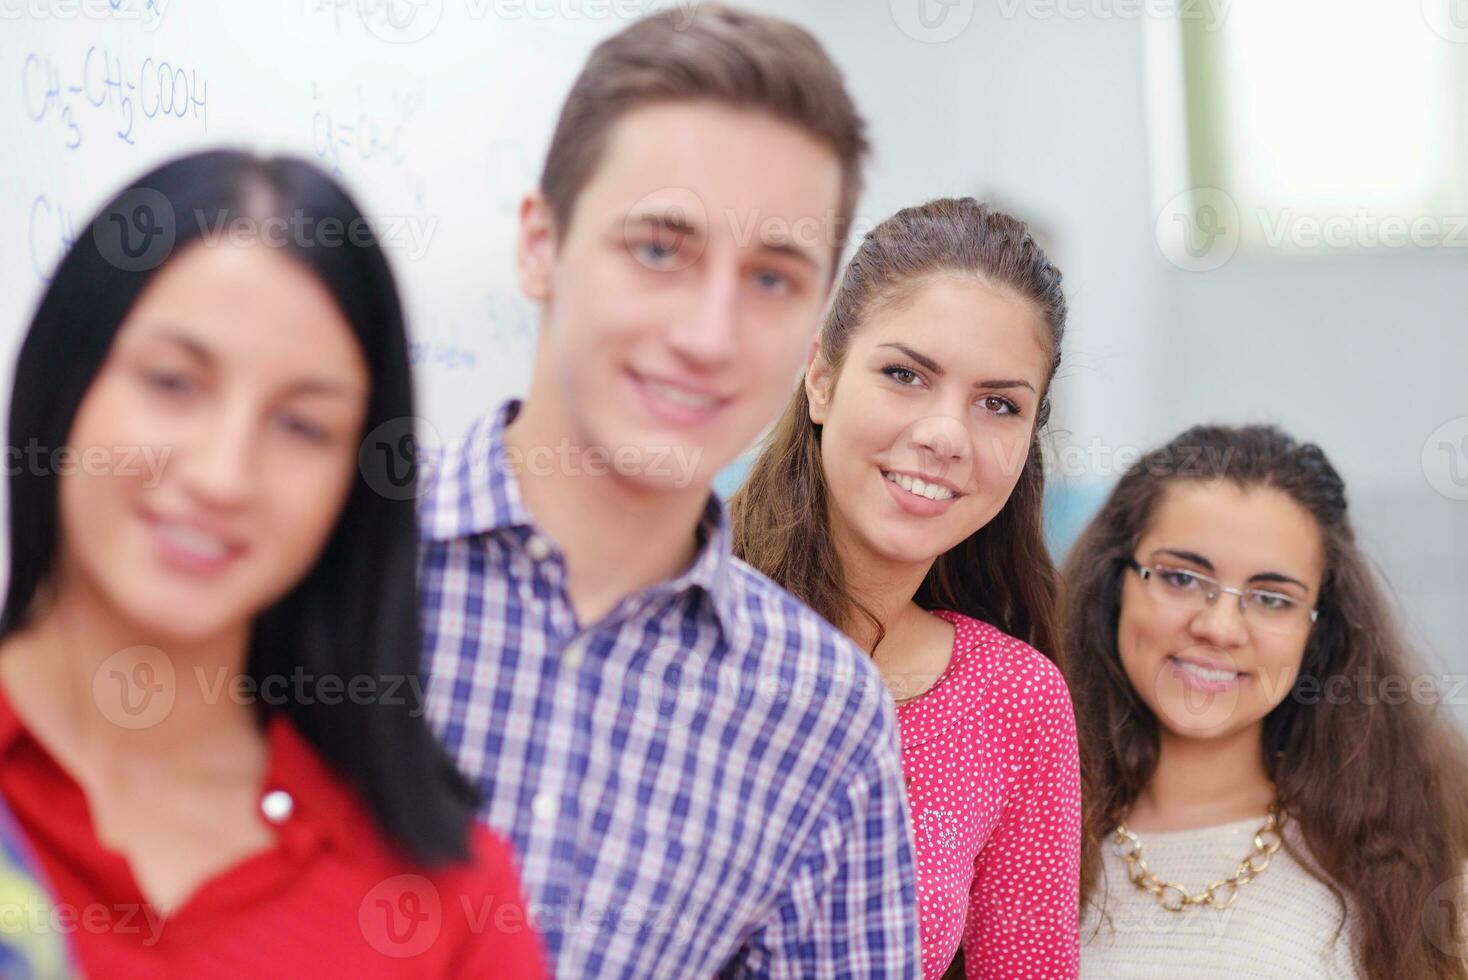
680, 396
1206, 673
202, 544
912, 484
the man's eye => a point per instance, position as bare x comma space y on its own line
655, 253
773, 282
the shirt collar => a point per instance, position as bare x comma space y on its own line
323, 807
469, 489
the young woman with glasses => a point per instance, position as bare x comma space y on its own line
1270, 790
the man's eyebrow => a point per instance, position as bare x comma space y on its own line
786, 247
671, 220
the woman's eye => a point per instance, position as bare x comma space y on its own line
168, 382
296, 425
1000, 405
1273, 601
1178, 579
900, 374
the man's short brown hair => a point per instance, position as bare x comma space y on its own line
722, 55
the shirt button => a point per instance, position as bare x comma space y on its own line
544, 806
538, 547
573, 656
277, 806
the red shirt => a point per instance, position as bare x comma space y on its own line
995, 792
332, 898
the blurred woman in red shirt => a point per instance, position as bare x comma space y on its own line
211, 724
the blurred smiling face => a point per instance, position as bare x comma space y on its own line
237, 369
678, 304
927, 424
1213, 670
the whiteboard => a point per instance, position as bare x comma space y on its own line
435, 114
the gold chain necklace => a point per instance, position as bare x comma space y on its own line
1222, 893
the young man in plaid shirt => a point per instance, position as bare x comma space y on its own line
699, 774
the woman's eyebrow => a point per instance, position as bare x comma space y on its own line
922, 359
1197, 559
927, 362
1191, 556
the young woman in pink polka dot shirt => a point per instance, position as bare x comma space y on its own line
899, 496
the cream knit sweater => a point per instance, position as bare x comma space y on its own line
1281, 927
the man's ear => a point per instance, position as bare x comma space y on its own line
535, 249
818, 383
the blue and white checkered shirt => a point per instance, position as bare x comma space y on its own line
706, 781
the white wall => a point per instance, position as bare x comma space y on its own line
1365, 353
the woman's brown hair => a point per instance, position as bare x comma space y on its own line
1002, 573
1378, 791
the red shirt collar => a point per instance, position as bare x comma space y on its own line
323, 807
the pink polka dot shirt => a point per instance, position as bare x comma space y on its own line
993, 783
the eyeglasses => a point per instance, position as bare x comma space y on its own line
1182, 588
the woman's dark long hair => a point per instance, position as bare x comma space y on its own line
1002, 573
1378, 790
355, 613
